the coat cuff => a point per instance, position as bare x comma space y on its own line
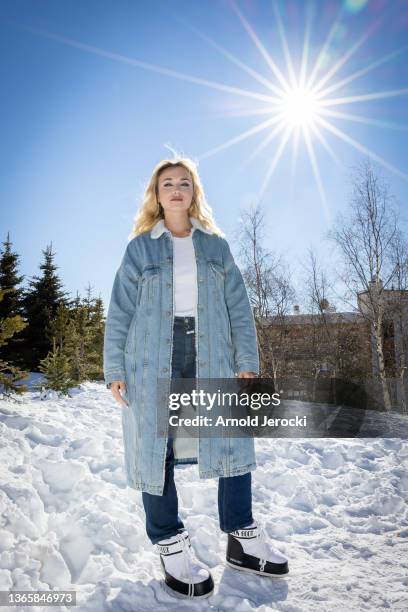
247, 366
114, 375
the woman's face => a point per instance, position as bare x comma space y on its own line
175, 189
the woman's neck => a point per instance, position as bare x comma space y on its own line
179, 225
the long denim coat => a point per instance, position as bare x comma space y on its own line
138, 347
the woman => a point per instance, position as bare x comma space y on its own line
179, 309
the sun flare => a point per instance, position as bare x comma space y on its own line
299, 107
299, 104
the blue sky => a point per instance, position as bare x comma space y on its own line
83, 121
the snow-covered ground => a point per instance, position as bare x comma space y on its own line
337, 508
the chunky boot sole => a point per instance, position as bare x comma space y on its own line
200, 590
255, 571
178, 595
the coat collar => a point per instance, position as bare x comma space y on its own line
159, 227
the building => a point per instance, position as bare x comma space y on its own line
338, 345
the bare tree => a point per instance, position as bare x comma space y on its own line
400, 315
322, 335
269, 288
366, 238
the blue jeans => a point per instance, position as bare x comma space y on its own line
234, 492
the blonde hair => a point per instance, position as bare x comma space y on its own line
151, 211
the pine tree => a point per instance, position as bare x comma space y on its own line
95, 371
78, 340
56, 365
12, 303
10, 373
96, 333
41, 302
59, 325
84, 340
56, 369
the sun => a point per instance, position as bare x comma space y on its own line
299, 108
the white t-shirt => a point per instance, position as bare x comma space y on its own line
185, 277
185, 305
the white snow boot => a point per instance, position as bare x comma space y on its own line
183, 573
248, 550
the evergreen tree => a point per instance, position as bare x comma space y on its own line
97, 327
84, 343
41, 302
59, 325
56, 369
9, 373
12, 303
79, 340
56, 365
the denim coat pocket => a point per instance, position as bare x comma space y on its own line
150, 282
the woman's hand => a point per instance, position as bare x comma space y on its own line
116, 387
244, 384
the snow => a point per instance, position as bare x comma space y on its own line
336, 507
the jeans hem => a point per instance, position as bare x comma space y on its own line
241, 526
165, 537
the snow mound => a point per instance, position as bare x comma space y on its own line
336, 507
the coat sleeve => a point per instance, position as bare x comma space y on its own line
243, 329
122, 306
